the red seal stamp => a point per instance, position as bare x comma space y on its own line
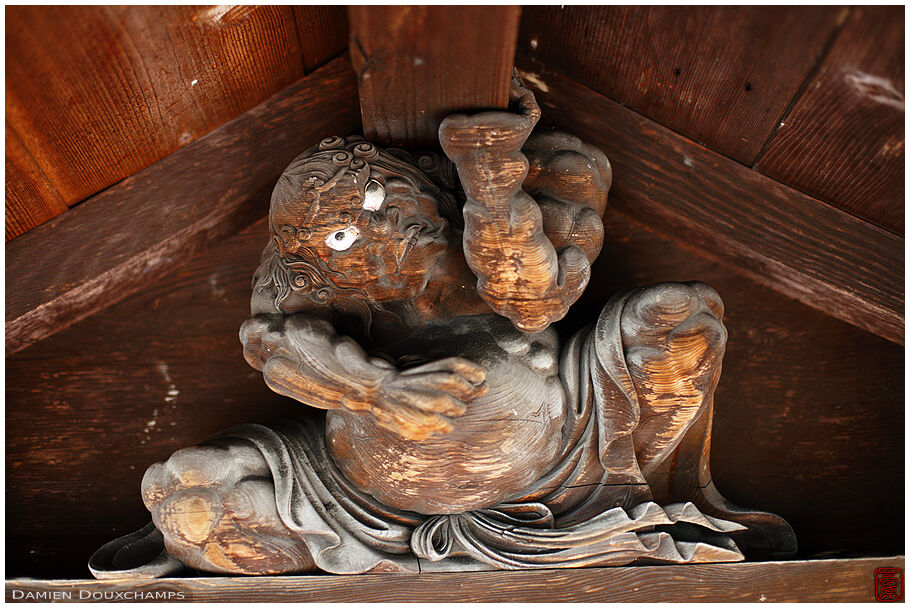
889, 584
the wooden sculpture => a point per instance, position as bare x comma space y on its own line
411, 297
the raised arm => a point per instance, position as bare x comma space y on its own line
302, 357
521, 275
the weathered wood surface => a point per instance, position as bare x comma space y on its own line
722, 76
848, 580
99, 93
448, 409
409, 81
530, 275
818, 402
784, 239
843, 141
115, 243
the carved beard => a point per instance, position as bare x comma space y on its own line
305, 271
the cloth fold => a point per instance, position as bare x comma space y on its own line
593, 508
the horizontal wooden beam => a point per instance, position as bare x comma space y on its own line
719, 208
113, 244
848, 580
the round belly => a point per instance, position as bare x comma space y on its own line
507, 440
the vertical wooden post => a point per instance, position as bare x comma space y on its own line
416, 64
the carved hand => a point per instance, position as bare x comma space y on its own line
302, 357
419, 401
520, 273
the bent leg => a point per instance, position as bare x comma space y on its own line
215, 506
674, 343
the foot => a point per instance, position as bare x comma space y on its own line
216, 508
674, 343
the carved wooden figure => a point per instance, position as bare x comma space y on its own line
411, 297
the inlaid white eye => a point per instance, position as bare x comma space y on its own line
340, 240
374, 195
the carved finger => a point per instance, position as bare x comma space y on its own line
444, 404
429, 400
474, 372
283, 376
517, 86
574, 272
525, 104
410, 423
260, 336
459, 133
450, 383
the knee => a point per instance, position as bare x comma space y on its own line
206, 466
672, 303
673, 310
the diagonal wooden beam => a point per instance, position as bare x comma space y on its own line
721, 209
113, 244
416, 64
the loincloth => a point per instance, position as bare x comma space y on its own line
592, 509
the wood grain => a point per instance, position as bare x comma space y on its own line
322, 32
809, 581
522, 273
818, 403
773, 234
113, 244
801, 390
417, 64
30, 198
843, 141
98, 93
722, 76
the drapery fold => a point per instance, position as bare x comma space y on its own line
593, 508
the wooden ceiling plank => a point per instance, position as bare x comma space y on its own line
721, 75
98, 93
323, 33
31, 199
843, 141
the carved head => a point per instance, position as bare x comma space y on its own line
354, 226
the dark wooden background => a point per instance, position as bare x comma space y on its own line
809, 414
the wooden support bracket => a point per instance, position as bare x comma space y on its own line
410, 80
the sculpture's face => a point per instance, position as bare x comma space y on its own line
347, 223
